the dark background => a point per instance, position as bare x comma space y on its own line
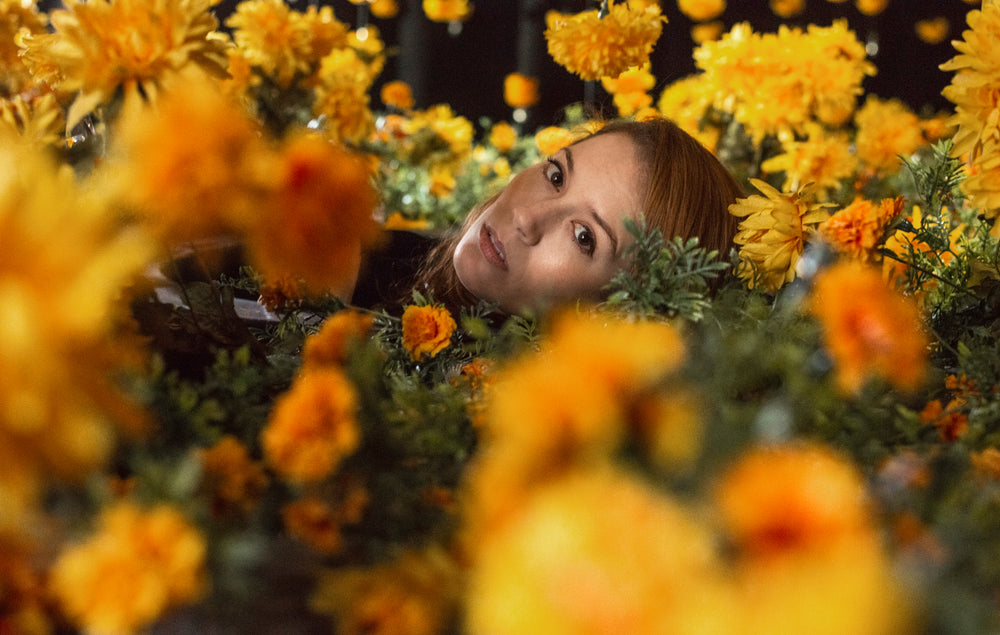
466, 69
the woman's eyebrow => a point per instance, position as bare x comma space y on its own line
607, 229
569, 159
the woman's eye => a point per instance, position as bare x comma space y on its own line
554, 173
584, 238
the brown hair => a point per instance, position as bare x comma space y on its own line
688, 194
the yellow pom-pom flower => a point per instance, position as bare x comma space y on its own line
520, 91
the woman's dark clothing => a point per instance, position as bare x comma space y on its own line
388, 272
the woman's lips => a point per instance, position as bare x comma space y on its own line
492, 248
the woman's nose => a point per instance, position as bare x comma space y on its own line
531, 222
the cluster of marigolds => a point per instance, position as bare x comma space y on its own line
131, 128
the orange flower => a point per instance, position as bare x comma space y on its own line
869, 329
315, 523
933, 30
520, 91
312, 427
447, 10
234, 480
397, 94
701, 10
340, 333
987, 463
426, 330
384, 9
553, 139
949, 421
859, 229
503, 136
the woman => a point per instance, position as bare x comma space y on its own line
556, 233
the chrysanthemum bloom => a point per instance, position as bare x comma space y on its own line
552, 139
34, 120
209, 157
977, 75
520, 91
773, 233
342, 83
426, 331
447, 10
594, 47
314, 522
869, 329
859, 229
417, 593
14, 16
339, 334
64, 345
503, 136
282, 42
887, 130
932, 30
313, 426
685, 102
701, 10
571, 566
787, 8
231, 477
630, 89
807, 549
823, 158
100, 46
139, 564
456, 131
397, 94
318, 220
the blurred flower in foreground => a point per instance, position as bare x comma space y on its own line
552, 139
340, 333
520, 91
869, 329
99, 46
807, 549
64, 266
14, 16
594, 47
313, 426
773, 233
426, 331
33, 120
139, 564
859, 229
571, 567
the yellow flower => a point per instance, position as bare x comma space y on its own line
397, 221
14, 16
932, 30
552, 139
138, 564
869, 329
218, 166
397, 94
685, 102
384, 9
100, 46
887, 129
871, 7
859, 229
416, 593
822, 158
702, 10
342, 84
503, 136
901, 242
426, 331
34, 120
447, 10
340, 333
234, 480
64, 345
319, 218
977, 75
520, 91
787, 8
284, 43
773, 233
982, 184
706, 31
456, 131
570, 566
312, 427
594, 47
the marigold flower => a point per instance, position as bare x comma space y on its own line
16, 15
859, 229
35, 120
234, 480
139, 564
950, 422
901, 242
869, 329
707, 31
887, 130
822, 158
987, 463
871, 7
100, 46
702, 10
932, 30
397, 94
414, 594
456, 131
384, 9
571, 567
315, 523
552, 139
503, 136
594, 47
341, 84
773, 233
787, 8
520, 91
313, 426
447, 10
318, 219
982, 185
633, 80
339, 334
426, 331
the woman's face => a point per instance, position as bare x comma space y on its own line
556, 233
